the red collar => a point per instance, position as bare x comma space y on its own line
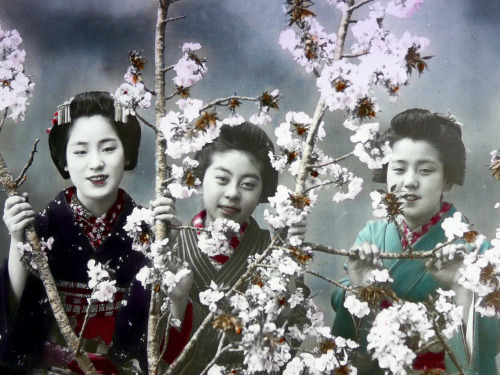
420, 231
96, 228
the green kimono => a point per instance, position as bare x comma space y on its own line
412, 282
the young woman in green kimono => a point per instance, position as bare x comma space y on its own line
428, 158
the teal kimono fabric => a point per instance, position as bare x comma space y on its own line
413, 283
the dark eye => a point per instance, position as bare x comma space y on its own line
248, 185
109, 149
425, 171
79, 152
222, 179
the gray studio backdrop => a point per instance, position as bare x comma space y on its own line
74, 46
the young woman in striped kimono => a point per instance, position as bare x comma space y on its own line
236, 176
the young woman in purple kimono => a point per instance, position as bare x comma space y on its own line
92, 143
428, 158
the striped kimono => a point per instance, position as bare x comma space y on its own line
253, 241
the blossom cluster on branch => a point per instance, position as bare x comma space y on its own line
15, 85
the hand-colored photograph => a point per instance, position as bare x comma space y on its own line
250, 187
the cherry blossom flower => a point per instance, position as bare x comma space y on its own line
171, 279
403, 8
216, 239
190, 69
380, 276
133, 97
96, 273
356, 307
454, 227
210, 296
450, 313
184, 183
15, 86
104, 291
145, 276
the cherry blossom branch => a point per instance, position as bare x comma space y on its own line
428, 345
4, 116
165, 339
358, 5
352, 253
168, 97
48, 281
334, 161
84, 325
324, 183
229, 98
175, 18
146, 122
168, 68
153, 347
216, 357
447, 348
354, 55
19, 180
336, 283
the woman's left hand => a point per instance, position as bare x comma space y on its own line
164, 209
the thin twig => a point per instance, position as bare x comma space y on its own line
353, 253
168, 97
175, 19
165, 338
324, 183
216, 357
336, 283
426, 347
447, 348
84, 325
4, 116
221, 101
354, 55
19, 180
359, 5
146, 122
334, 161
168, 68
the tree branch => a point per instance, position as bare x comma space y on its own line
216, 357
145, 122
19, 180
358, 5
336, 283
352, 253
168, 68
447, 348
84, 325
354, 55
334, 161
48, 281
175, 19
4, 116
222, 100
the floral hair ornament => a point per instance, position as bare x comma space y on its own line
454, 119
63, 114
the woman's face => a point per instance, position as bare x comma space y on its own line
95, 161
417, 174
232, 186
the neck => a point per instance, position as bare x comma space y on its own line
97, 207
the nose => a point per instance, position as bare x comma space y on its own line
232, 192
411, 180
95, 161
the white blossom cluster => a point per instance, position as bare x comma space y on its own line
322, 360
185, 183
367, 147
133, 96
15, 86
103, 288
399, 330
291, 140
481, 274
392, 329
455, 227
381, 56
190, 69
215, 240
262, 117
162, 267
284, 213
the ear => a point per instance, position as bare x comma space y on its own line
448, 186
66, 168
127, 163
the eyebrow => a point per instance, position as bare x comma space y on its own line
104, 140
252, 175
422, 161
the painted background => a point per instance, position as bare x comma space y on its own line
74, 46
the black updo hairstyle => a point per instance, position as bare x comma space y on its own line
247, 138
439, 130
89, 104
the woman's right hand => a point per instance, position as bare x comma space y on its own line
360, 267
17, 215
